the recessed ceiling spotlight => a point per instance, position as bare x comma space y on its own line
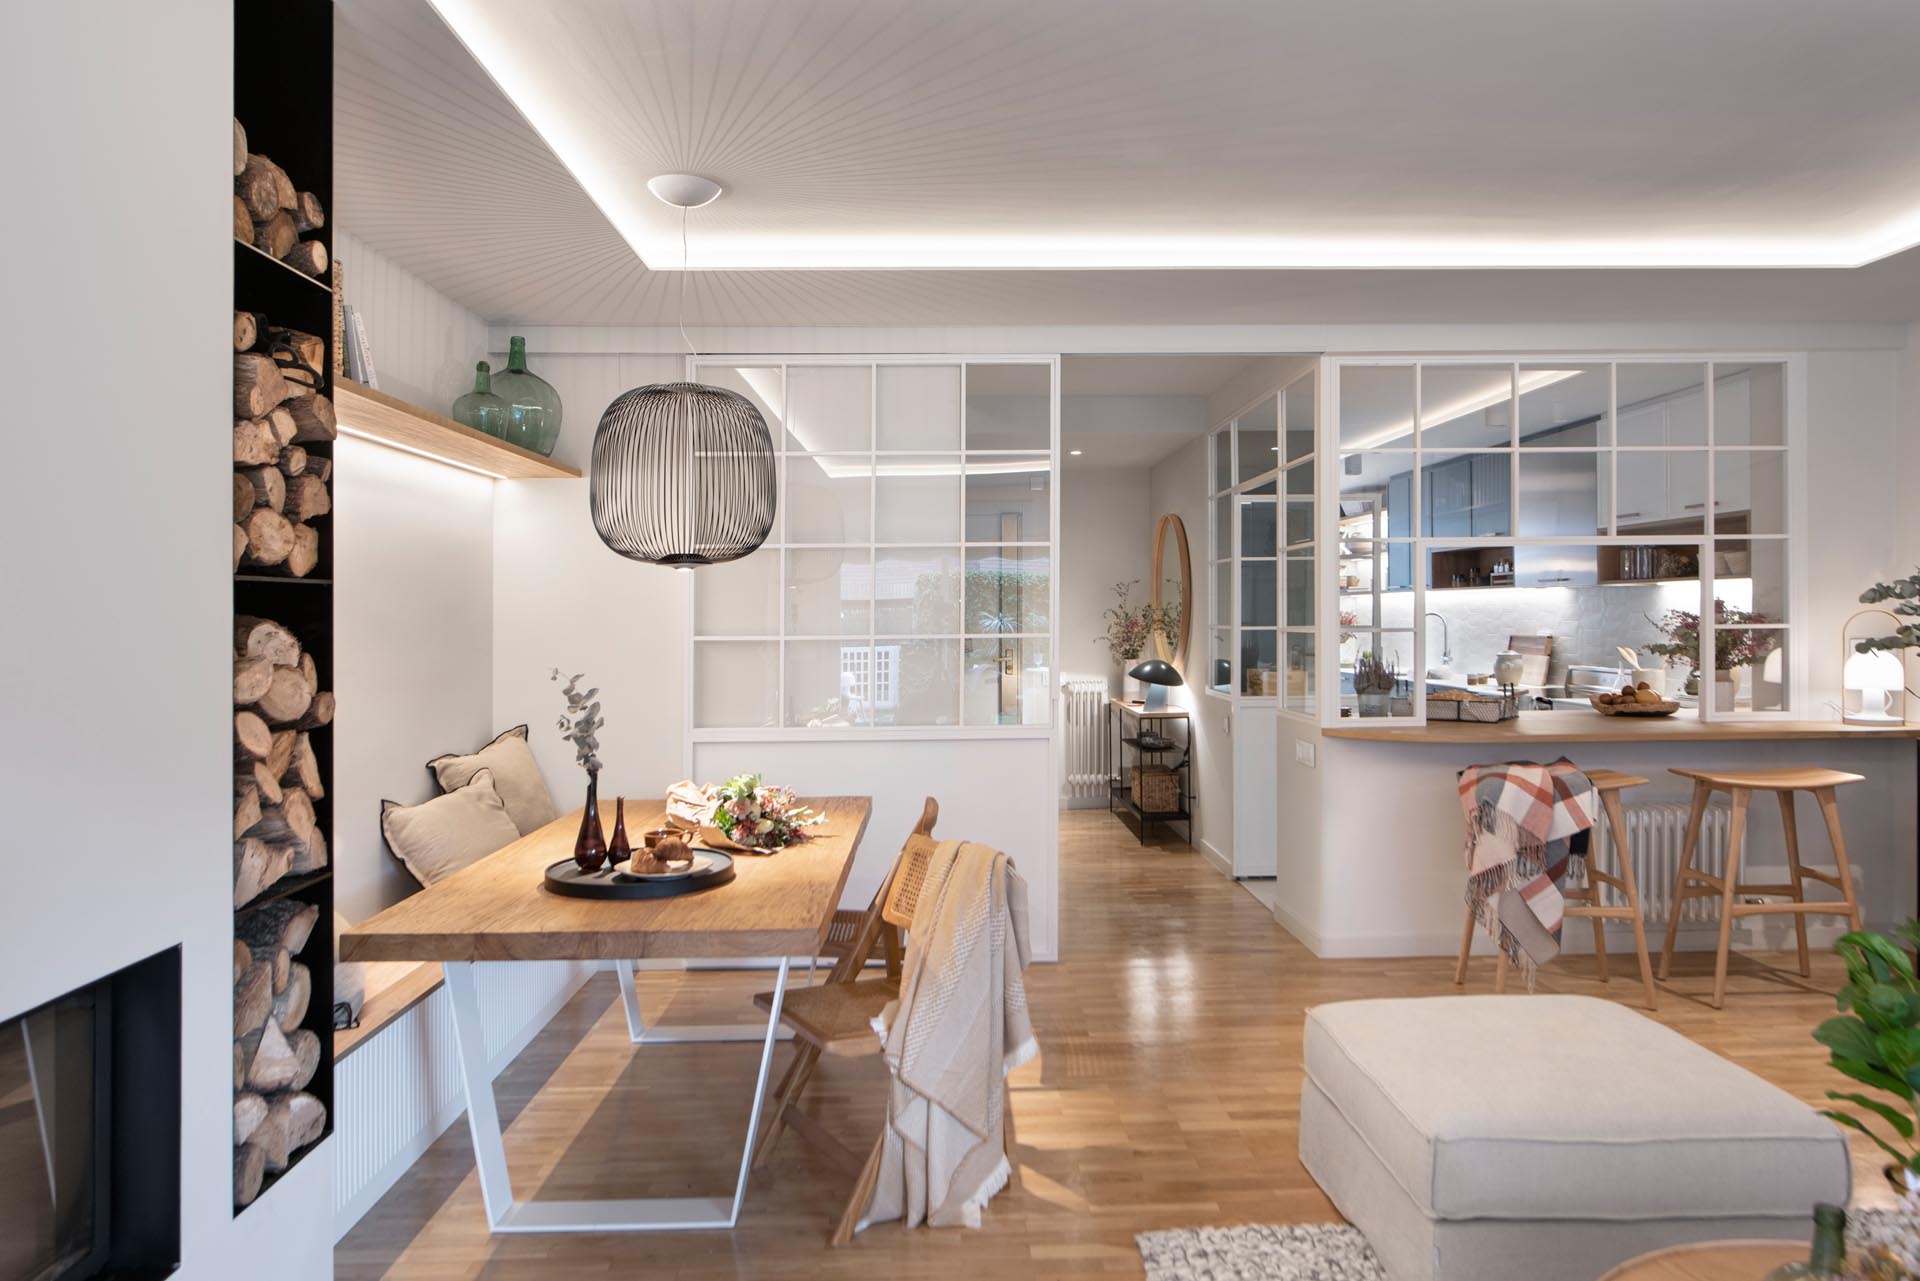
1075, 453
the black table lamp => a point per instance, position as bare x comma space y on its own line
1157, 674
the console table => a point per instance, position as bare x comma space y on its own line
1147, 725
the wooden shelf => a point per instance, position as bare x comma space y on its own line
388, 420
322, 287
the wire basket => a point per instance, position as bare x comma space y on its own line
1478, 709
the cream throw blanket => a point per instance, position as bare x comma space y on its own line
959, 1026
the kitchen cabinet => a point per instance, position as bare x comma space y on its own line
1662, 488
1492, 513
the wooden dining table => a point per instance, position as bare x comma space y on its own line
777, 907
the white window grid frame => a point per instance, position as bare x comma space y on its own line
1239, 491
873, 637
1793, 537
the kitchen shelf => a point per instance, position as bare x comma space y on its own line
373, 415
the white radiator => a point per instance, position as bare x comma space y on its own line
1656, 835
400, 1088
1083, 715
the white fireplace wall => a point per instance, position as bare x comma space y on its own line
117, 686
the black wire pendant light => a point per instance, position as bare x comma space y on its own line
682, 474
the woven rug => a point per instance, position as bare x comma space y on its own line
1336, 1252
1260, 1252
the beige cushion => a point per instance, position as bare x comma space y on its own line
1565, 1107
439, 837
515, 777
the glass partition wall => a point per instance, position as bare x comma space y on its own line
1569, 509
908, 582
1262, 551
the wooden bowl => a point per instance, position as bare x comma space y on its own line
1665, 707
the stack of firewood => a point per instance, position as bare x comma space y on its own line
274, 1057
276, 778
279, 409
270, 214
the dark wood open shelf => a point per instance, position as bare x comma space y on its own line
284, 101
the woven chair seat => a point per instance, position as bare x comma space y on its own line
837, 1017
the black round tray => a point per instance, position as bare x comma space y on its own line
565, 877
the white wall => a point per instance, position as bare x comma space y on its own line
413, 644
1179, 485
424, 343
561, 599
1106, 537
116, 689
413, 596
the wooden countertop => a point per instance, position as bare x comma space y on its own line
1576, 726
500, 910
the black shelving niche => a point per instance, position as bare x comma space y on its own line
286, 106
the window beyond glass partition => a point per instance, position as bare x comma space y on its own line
1571, 506
908, 581
1262, 536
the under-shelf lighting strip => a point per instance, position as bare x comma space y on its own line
419, 453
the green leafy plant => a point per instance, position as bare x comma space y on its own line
1906, 593
1876, 1038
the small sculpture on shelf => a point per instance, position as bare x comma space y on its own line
480, 409
580, 725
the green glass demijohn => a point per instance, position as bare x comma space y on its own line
480, 409
533, 406
1828, 1257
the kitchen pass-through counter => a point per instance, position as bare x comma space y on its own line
1371, 833
1576, 726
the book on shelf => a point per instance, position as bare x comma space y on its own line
359, 353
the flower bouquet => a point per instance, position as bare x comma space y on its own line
749, 816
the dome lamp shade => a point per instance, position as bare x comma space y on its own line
682, 475
1157, 674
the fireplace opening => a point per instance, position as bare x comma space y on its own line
90, 1130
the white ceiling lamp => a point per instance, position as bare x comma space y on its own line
682, 473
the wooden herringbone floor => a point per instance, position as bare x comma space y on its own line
1166, 1096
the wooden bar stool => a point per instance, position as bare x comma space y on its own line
1740, 785
1584, 902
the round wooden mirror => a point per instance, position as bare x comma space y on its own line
1172, 589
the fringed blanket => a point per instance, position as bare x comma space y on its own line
1525, 822
959, 1026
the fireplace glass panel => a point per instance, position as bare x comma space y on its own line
49, 1164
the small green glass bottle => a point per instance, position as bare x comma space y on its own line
532, 401
480, 409
1829, 1255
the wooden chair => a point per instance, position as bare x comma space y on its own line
1585, 902
836, 1017
1740, 785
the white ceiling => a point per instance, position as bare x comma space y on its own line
879, 134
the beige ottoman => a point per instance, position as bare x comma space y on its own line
1547, 1138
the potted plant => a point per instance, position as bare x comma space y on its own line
1374, 680
1129, 628
1735, 645
1876, 1042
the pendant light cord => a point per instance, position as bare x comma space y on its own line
685, 267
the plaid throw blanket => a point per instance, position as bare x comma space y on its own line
1525, 822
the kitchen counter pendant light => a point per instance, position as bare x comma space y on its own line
682, 474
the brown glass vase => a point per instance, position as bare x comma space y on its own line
619, 850
590, 847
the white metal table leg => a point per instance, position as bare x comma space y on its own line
679, 1033
652, 1214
